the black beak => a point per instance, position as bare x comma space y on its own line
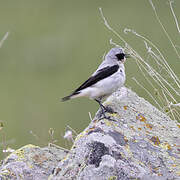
127, 56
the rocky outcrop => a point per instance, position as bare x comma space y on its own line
31, 163
139, 142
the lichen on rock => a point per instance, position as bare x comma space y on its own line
140, 143
31, 163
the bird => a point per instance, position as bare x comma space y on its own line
109, 76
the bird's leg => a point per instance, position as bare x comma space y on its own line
104, 110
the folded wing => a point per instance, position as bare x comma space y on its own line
101, 74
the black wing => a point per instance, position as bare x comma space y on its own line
102, 74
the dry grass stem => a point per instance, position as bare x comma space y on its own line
155, 69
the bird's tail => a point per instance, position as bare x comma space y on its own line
71, 96
66, 98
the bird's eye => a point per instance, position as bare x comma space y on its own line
120, 56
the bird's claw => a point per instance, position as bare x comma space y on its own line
106, 117
109, 110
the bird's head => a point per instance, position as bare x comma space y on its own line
117, 54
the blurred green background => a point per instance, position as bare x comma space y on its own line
53, 46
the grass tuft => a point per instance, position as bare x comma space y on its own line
163, 83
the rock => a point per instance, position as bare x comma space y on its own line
139, 143
31, 163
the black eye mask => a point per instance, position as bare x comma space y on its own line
120, 56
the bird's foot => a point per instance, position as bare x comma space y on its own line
109, 110
105, 110
106, 117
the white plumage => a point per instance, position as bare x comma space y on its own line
109, 76
105, 87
